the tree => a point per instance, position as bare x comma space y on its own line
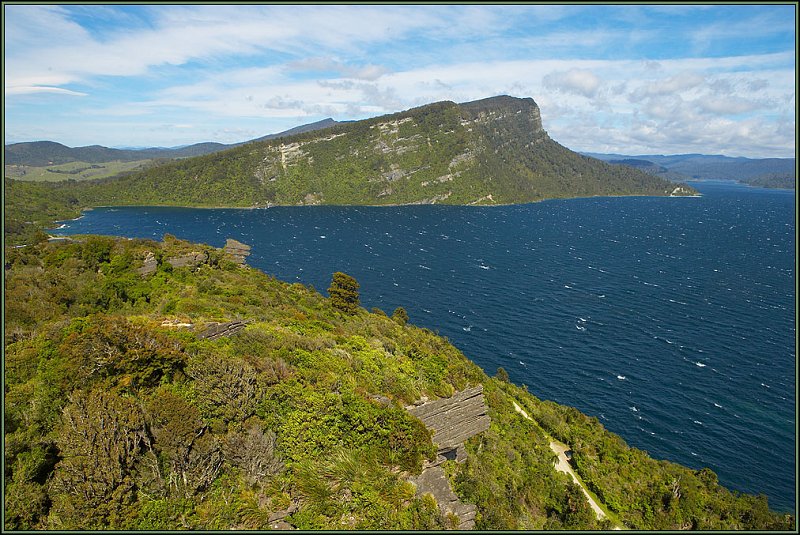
344, 293
502, 374
400, 315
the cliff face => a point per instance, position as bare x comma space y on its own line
490, 151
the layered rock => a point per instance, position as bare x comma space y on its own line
237, 250
452, 420
216, 330
193, 259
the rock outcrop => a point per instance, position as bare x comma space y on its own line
237, 250
149, 265
452, 420
192, 259
218, 330
433, 481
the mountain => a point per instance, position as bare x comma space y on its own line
42, 153
768, 172
491, 151
159, 386
310, 127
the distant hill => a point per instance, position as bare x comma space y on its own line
491, 151
768, 172
43, 153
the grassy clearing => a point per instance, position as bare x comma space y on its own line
73, 170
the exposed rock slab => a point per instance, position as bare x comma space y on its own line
455, 419
149, 265
237, 250
192, 259
434, 481
277, 519
218, 330
452, 420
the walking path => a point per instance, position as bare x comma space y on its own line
564, 466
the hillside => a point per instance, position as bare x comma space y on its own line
50, 153
165, 386
763, 172
491, 151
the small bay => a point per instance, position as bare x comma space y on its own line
672, 320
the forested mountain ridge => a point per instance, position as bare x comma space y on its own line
763, 172
491, 151
121, 411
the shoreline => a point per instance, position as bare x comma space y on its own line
393, 205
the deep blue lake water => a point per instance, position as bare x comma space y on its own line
670, 319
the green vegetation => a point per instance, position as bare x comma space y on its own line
344, 293
119, 415
75, 170
30, 208
773, 180
488, 152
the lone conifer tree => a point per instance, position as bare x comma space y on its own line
344, 292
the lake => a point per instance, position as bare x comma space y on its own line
672, 320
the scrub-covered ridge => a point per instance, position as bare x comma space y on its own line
165, 385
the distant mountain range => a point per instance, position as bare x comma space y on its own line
765, 172
42, 153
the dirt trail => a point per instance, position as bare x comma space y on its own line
563, 466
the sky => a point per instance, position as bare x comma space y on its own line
627, 79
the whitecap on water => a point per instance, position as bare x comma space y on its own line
699, 364
698, 422
621, 377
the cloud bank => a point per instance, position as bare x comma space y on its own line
628, 83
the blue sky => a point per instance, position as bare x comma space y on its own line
627, 79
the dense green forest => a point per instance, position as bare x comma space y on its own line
773, 180
121, 413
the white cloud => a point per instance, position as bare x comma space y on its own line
40, 89
726, 105
251, 68
576, 81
